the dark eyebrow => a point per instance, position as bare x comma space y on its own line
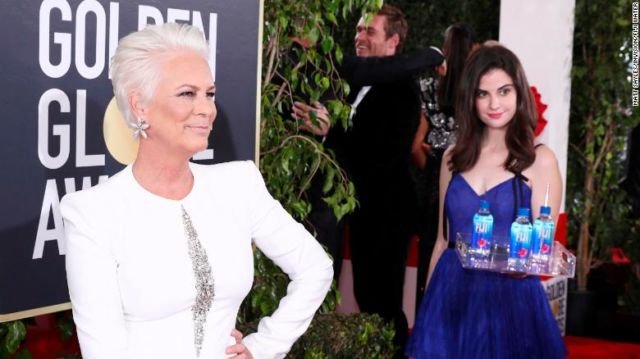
499, 88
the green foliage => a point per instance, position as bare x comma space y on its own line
12, 334
65, 325
601, 118
344, 337
339, 336
269, 285
290, 158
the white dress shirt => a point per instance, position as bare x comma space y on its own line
354, 107
131, 280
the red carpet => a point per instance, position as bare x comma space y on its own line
587, 348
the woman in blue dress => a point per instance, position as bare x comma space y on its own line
476, 314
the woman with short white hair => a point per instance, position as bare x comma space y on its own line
159, 257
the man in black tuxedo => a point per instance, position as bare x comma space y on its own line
375, 152
359, 71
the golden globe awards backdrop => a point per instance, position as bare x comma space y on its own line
61, 132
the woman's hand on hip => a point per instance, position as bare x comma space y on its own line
238, 350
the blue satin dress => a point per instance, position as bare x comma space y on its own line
478, 314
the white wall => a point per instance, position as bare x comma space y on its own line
540, 32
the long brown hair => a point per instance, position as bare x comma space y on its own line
458, 43
519, 138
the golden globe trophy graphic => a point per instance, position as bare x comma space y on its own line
118, 137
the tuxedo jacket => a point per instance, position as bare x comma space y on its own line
375, 150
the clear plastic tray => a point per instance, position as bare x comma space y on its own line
561, 263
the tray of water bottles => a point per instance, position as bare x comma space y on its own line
499, 258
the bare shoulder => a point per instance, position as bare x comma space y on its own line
545, 159
445, 171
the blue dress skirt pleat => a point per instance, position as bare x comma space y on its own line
477, 314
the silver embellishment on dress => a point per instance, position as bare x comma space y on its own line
442, 126
204, 281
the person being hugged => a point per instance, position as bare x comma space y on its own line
159, 257
479, 314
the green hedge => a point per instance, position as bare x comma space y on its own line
342, 336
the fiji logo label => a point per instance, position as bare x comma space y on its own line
545, 249
482, 227
545, 233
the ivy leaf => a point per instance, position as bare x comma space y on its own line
368, 17
300, 208
332, 18
324, 83
328, 180
327, 44
314, 35
339, 55
15, 336
66, 328
286, 157
346, 88
335, 108
284, 21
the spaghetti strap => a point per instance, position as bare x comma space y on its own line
518, 196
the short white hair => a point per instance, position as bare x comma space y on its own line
136, 63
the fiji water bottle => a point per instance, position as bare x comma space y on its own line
542, 240
520, 241
481, 235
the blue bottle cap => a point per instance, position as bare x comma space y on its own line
524, 212
484, 204
545, 210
